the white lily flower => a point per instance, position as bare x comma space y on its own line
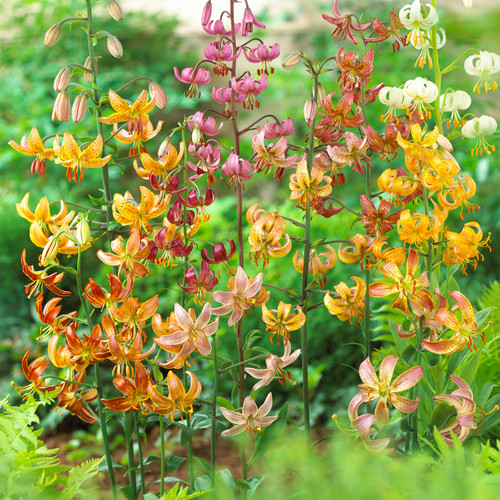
451, 102
421, 92
468, 4
413, 19
425, 45
395, 98
477, 128
483, 65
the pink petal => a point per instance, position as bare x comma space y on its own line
407, 379
367, 374
387, 369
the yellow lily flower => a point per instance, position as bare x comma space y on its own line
135, 114
34, 146
317, 267
350, 302
136, 137
416, 229
419, 151
71, 156
128, 213
164, 164
307, 188
280, 322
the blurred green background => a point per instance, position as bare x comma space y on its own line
153, 46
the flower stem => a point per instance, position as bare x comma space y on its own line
214, 413
141, 462
162, 456
129, 438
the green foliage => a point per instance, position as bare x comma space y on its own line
28, 469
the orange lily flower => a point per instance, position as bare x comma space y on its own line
266, 233
40, 279
72, 399
416, 229
129, 213
134, 314
127, 257
389, 254
350, 302
397, 185
307, 188
88, 351
381, 387
123, 349
100, 298
135, 114
464, 330
462, 248
406, 287
161, 167
181, 400
33, 373
360, 251
138, 393
34, 146
49, 315
71, 156
419, 151
457, 194
317, 267
280, 322
377, 221
136, 137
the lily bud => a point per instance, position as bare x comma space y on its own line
79, 108
61, 109
310, 109
50, 250
115, 10
164, 147
156, 91
88, 65
292, 61
83, 230
206, 13
196, 136
115, 47
321, 93
61, 81
52, 35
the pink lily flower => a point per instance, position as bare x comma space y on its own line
251, 417
278, 129
199, 284
188, 75
274, 155
224, 95
217, 28
249, 21
206, 126
239, 297
220, 53
382, 388
208, 158
354, 155
262, 54
219, 253
275, 367
462, 400
250, 88
237, 169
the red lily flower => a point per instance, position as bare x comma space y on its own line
377, 221
393, 30
33, 373
354, 70
344, 24
72, 399
219, 253
117, 292
199, 284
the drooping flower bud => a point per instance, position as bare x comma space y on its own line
156, 91
292, 61
79, 108
52, 35
196, 136
164, 147
88, 65
61, 108
115, 47
310, 109
206, 13
321, 94
50, 250
61, 81
115, 10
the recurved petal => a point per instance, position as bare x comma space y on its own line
233, 416
118, 104
407, 379
445, 346
387, 369
382, 411
403, 404
367, 374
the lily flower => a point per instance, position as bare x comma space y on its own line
451, 102
262, 54
275, 367
354, 70
419, 23
278, 129
204, 126
307, 187
49, 316
359, 251
181, 400
478, 128
249, 88
251, 418
33, 373
280, 322
462, 400
137, 137
72, 398
137, 215
393, 30
237, 169
219, 253
340, 116
220, 53
317, 267
199, 284
417, 228
395, 98
100, 298
87, 351
274, 155
166, 162
249, 21
136, 114
483, 65
397, 184
406, 287
241, 294
350, 302
71, 156
344, 24
420, 151
134, 314
425, 47
34, 146
421, 92
354, 155
374, 387
200, 76
377, 221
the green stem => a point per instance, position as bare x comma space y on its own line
214, 413
254, 358
437, 76
141, 460
129, 439
162, 456
190, 439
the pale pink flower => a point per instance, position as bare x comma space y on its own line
217, 28
249, 21
194, 77
274, 155
220, 53
462, 400
262, 54
237, 169
250, 88
278, 129
239, 296
206, 126
251, 417
223, 96
382, 388
275, 367
354, 155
